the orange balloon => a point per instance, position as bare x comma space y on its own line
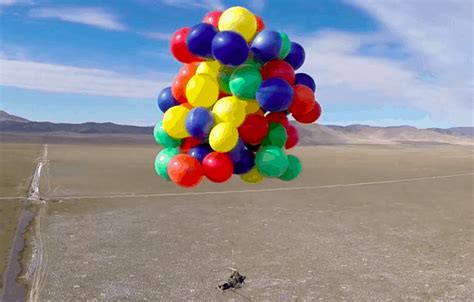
178, 88
185, 170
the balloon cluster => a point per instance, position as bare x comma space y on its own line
227, 109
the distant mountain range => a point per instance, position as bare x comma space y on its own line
314, 134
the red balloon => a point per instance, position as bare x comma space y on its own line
278, 117
279, 69
189, 142
222, 94
218, 167
293, 136
311, 116
303, 100
188, 70
254, 129
185, 170
260, 23
179, 49
212, 18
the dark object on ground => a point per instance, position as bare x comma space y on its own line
236, 280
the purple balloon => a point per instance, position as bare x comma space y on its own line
305, 79
230, 48
200, 152
296, 56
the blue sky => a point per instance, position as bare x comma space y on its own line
375, 62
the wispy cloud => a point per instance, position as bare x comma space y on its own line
93, 16
155, 35
14, 2
89, 81
257, 5
205, 4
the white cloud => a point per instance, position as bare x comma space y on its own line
438, 35
205, 4
94, 16
155, 35
70, 79
14, 2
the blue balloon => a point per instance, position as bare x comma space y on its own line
246, 162
200, 152
236, 153
199, 122
266, 45
296, 55
199, 40
253, 148
166, 100
275, 95
305, 79
230, 48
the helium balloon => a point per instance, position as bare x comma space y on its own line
293, 170
229, 48
251, 107
229, 109
199, 122
254, 129
278, 117
209, 67
179, 49
166, 100
223, 137
271, 161
185, 170
223, 77
275, 95
187, 71
253, 148
285, 46
202, 90
245, 81
260, 23
276, 136
305, 79
162, 138
199, 152
245, 163
279, 69
303, 100
240, 20
188, 143
311, 116
199, 39
218, 167
162, 160
266, 45
173, 121
252, 177
293, 136
212, 18
296, 55
250, 61
236, 153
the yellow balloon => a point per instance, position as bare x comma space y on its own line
202, 90
251, 107
173, 121
252, 177
229, 109
239, 19
211, 68
223, 137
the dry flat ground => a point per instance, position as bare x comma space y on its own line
17, 163
363, 239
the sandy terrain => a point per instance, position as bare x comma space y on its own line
407, 239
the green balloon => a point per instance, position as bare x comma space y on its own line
276, 135
251, 61
285, 46
293, 170
162, 138
271, 161
162, 160
245, 81
223, 78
